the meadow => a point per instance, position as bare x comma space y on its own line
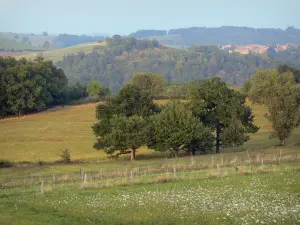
58, 54
258, 183
40, 137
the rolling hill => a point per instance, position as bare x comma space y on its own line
58, 54
12, 45
41, 136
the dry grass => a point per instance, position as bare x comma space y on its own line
57, 54
40, 137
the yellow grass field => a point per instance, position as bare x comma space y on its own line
58, 54
40, 137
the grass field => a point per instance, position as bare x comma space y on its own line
270, 195
58, 54
256, 184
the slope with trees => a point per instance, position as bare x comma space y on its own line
124, 57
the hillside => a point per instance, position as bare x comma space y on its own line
58, 54
126, 56
223, 35
36, 40
11, 45
41, 136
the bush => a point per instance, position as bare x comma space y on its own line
65, 156
5, 164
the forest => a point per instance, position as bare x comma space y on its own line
126, 56
226, 35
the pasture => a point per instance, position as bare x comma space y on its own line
266, 194
40, 137
58, 54
258, 183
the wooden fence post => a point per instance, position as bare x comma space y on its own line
84, 181
132, 177
42, 187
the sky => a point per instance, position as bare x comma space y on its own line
127, 16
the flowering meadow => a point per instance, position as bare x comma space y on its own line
270, 198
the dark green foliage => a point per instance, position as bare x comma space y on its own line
123, 135
5, 164
286, 68
176, 128
122, 126
65, 156
280, 94
125, 57
29, 86
236, 35
216, 105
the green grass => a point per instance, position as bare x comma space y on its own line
261, 198
58, 54
17, 46
241, 191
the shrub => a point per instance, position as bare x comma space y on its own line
5, 164
65, 156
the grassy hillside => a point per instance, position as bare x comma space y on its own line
17, 46
57, 54
41, 136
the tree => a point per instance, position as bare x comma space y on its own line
175, 128
151, 82
215, 105
45, 33
94, 89
113, 116
283, 68
46, 45
124, 135
281, 96
28, 86
234, 134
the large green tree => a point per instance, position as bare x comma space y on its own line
127, 113
281, 95
176, 128
122, 135
216, 105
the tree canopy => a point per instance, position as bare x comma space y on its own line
281, 95
126, 112
176, 128
216, 105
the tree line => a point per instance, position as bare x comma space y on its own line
31, 86
213, 115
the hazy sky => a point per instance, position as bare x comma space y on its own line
126, 16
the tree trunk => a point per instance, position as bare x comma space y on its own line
177, 152
132, 154
218, 132
193, 152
